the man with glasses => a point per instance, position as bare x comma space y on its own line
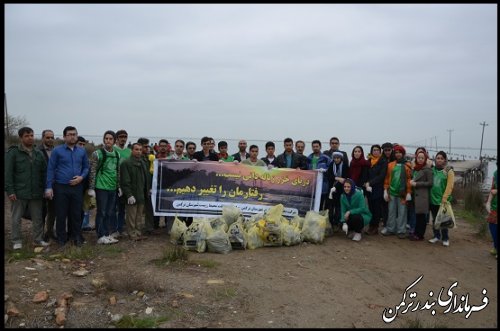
334, 147
48, 211
68, 167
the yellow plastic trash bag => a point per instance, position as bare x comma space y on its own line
314, 226
445, 219
237, 235
230, 214
297, 221
249, 222
196, 235
290, 234
218, 224
253, 239
177, 231
218, 242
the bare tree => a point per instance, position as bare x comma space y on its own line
11, 125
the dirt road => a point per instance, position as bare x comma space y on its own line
340, 283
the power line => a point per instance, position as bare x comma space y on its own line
482, 135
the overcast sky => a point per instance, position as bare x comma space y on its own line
364, 73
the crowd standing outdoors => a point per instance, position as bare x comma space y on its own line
59, 185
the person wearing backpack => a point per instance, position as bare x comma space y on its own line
104, 181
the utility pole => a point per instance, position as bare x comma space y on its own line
449, 146
482, 135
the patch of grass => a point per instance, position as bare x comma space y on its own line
205, 263
24, 253
475, 218
110, 250
224, 293
148, 322
474, 200
85, 252
172, 254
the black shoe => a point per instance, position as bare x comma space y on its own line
88, 229
78, 243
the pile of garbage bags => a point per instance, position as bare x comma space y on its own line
233, 231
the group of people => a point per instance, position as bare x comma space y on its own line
56, 184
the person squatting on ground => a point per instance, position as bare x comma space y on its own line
68, 167
25, 174
336, 174
491, 208
135, 182
443, 180
104, 181
397, 190
355, 213
422, 180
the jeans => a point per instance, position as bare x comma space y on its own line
440, 234
18, 208
68, 201
86, 219
117, 220
493, 231
396, 221
105, 201
49, 218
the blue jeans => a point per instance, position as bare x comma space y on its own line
105, 203
86, 219
493, 231
68, 203
118, 216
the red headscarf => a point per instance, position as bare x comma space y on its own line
357, 165
417, 165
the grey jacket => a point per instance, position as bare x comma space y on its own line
424, 180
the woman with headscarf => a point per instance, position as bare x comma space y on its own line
358, 168
444, 178
336, 174
355, 214
422, 180
397, 191
374, 186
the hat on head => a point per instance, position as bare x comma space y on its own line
339, 154
399, 148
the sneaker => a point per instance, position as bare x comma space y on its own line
115, 235
434, 240
112, 240
103, 240
18, 246
350, 235
41, 243
385, 232
357, 236
446, 243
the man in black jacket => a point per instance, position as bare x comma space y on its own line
290, 159
48, 210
